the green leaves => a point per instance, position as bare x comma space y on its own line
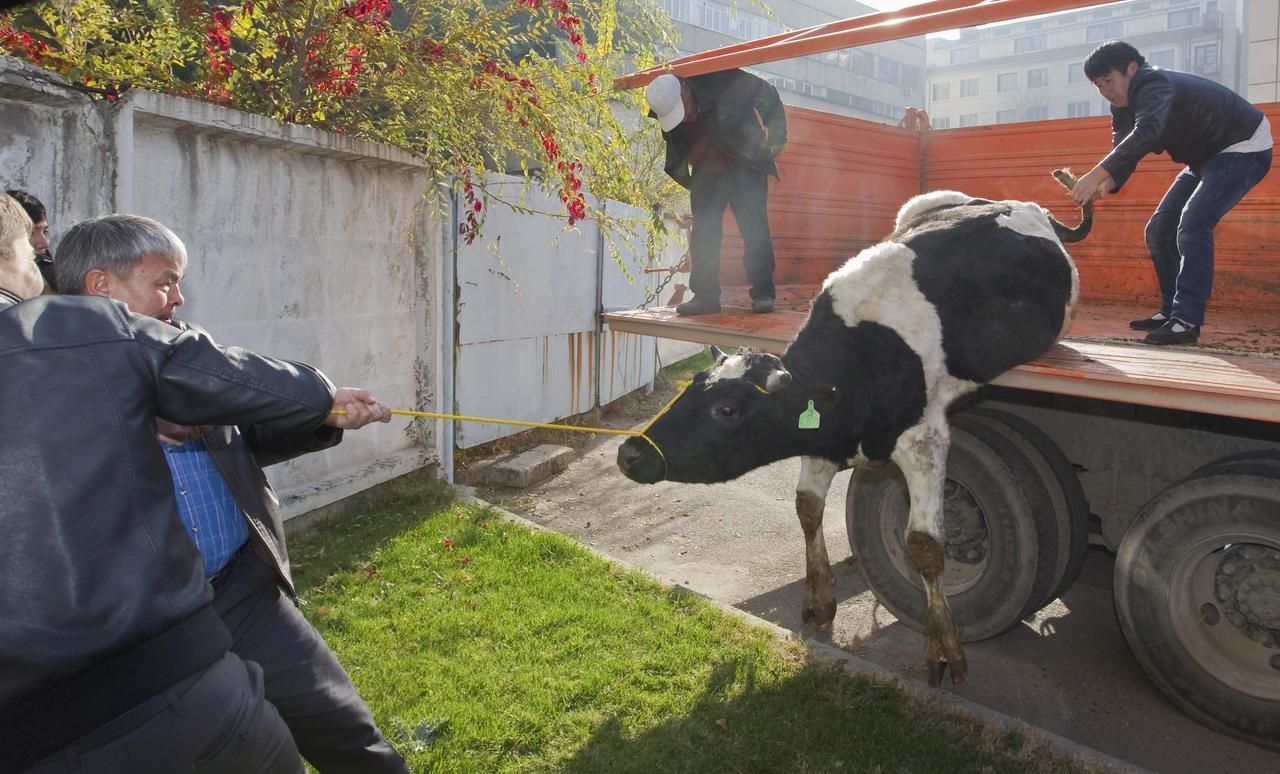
464, 84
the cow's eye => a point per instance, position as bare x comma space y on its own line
726, 411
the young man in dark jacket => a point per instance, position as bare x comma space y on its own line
112, 657
723, 132
229, 508
1225, 143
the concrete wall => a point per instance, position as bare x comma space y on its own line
530, 344
1263, 29
302, 244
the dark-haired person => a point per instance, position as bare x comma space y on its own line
1225, 143
39, 235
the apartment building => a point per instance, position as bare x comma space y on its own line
874, 82
1032, 69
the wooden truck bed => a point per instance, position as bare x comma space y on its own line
1099, 358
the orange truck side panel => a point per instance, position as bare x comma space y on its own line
843, 180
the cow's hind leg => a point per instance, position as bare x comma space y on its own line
819, 608
921, 453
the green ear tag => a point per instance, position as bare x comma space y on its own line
810, 418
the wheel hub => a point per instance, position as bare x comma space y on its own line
963, 527
1247, 584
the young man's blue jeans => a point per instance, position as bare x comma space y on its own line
1180, 233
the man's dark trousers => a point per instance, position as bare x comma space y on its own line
746, 191
331, 724
1180, 233
216, 719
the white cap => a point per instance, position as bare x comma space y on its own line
665, 100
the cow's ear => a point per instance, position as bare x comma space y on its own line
824, 397
717, 354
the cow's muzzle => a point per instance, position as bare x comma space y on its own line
640, 461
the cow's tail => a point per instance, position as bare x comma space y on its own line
1067, 179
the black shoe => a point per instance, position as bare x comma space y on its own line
698, 306
1174, 331
762, 305
1156, 320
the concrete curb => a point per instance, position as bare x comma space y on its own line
850, 662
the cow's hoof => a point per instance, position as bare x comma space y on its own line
946, 652
819, 617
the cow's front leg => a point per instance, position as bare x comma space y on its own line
819, 608
921, 453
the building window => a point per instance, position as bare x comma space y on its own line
1038, 78
1096, 32
1075, 72
941, 91
968, 87
1006, 82
968, 119
1037, 112
1187, 17
1006, 116
1204, 59
863, 63
912, 77
1164, 58
962, 55
941, 123
1033, 43
1077, 109
890, 71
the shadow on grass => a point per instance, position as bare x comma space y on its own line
347, 542
823, 719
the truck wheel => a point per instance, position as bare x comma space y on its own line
1197, 587
993, 549
1070, 506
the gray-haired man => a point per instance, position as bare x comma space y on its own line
229, 508
111, 656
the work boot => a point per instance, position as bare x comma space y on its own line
1174, 331
762, 305
698, 305
1156, 320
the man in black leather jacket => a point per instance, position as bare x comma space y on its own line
112, 657
723, 132
1225, 143
141, 263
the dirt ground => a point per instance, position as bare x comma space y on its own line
1068, 671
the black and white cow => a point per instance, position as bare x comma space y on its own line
962, 290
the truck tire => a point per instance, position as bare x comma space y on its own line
1070, 506
1197, 588
995, 545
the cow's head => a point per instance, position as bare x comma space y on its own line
732, 418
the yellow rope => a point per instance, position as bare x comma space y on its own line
517, 422
546, 425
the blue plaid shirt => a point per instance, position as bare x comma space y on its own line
205, 504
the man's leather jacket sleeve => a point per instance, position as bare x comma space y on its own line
272, 444
677, 163
1136, 131
201, 383
769, 105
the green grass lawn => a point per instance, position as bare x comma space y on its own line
488, 647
